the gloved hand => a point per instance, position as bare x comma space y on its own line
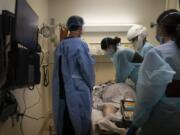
132, 131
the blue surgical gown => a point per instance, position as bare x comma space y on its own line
78, 81
156, 113
122, 60
145, 49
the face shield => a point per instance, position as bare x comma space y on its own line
137, 35
159, 33
153, 24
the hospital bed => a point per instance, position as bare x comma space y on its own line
111, 109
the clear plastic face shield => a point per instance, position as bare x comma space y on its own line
160, 35
138, 42
153, 24
137, 36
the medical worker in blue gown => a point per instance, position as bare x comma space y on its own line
125, 60
137, 34
158, 86
73, 81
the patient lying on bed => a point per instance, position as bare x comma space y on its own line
106, 106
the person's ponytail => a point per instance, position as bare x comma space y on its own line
116, 40
108, 41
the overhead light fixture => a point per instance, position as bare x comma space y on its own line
107, 27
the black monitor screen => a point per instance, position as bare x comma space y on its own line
26, 27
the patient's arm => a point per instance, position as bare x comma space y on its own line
109, 109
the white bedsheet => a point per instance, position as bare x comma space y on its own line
109, 94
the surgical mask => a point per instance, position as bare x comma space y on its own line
110, 52
160, 39
138, 43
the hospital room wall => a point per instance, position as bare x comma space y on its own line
30, 127
172, 4
108, 11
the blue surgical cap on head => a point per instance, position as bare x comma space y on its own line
74, 22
